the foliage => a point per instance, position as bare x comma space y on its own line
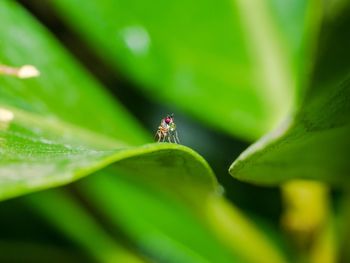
242, 67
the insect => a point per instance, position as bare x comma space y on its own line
167, 130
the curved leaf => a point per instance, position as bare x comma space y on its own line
37, 154
315, 144
189, 53
51, 137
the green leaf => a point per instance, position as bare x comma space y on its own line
51, 136
36, 154
314, 144
202, 56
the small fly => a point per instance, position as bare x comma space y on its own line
167, 130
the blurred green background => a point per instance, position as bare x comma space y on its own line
231, 72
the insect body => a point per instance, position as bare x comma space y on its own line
167, 130
162, 131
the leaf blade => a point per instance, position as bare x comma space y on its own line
313, 144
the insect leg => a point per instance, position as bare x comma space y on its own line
157, 136
175, 140
169, 137
177, 137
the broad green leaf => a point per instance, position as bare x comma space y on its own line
37, 153
62, 125
315, 143
234, 64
